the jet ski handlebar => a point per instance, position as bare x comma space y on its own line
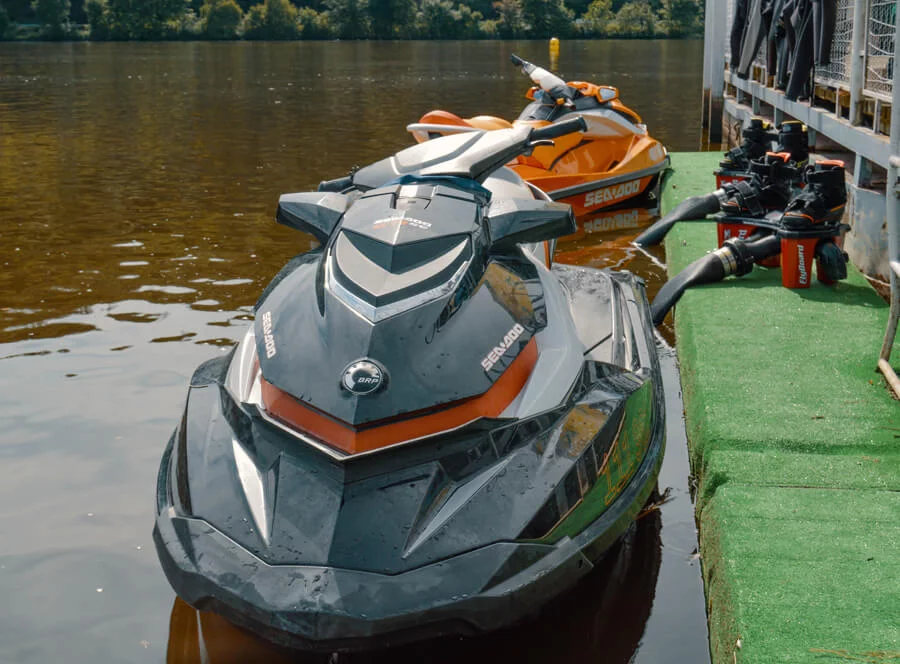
547, 81
472, 156
558, 129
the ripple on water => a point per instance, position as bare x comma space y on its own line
206, 305
134, 317
168, 290
176, 337
233, 282
130, 243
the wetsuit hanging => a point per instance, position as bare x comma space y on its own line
751, 39
802, 57
738, 24
824, 19
774, 11
782, 33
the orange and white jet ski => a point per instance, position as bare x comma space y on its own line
614, 161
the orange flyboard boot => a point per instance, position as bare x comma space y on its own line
811, 227
614, 161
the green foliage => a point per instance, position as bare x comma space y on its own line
4, 23
98, 19
510, 19
547, 18
186, 25
468, 21
221, 19
281, 19
53, 15
349, 19
597, 18
392, 19
142, 19
489, 29
274, 19
680, 18
439, 19
635, 19
254, 24
435, 20
313, 24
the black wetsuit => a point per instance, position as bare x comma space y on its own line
738, 23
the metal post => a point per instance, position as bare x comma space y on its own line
714, 68
707, 47
858, 59
892, 203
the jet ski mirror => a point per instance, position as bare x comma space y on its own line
316, 213
607, 93
515, 221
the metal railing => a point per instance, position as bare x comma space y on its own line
837, 72
882, 19
892, 195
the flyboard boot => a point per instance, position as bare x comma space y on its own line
794, 140
811, 227
767, 187
757, 140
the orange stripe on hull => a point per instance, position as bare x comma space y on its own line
352, 440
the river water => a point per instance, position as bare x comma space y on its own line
137, 187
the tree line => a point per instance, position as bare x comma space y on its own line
123, 20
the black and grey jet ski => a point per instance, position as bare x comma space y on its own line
429, 429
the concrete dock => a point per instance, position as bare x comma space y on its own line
795, 445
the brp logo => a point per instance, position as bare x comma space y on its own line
363, 377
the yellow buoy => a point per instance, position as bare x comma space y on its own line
554, 53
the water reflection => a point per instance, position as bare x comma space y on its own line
602, 619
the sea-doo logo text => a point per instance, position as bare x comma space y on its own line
615, 193
403, 221
500, 350
801, 265
267, 335
362, 377
627, 219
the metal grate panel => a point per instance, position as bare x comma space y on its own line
880, 46
837, 73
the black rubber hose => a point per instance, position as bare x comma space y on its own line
694, 208
734, 257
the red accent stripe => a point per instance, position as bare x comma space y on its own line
353, 440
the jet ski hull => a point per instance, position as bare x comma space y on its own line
460, 533
326, 609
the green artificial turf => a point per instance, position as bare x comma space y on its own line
795, 442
